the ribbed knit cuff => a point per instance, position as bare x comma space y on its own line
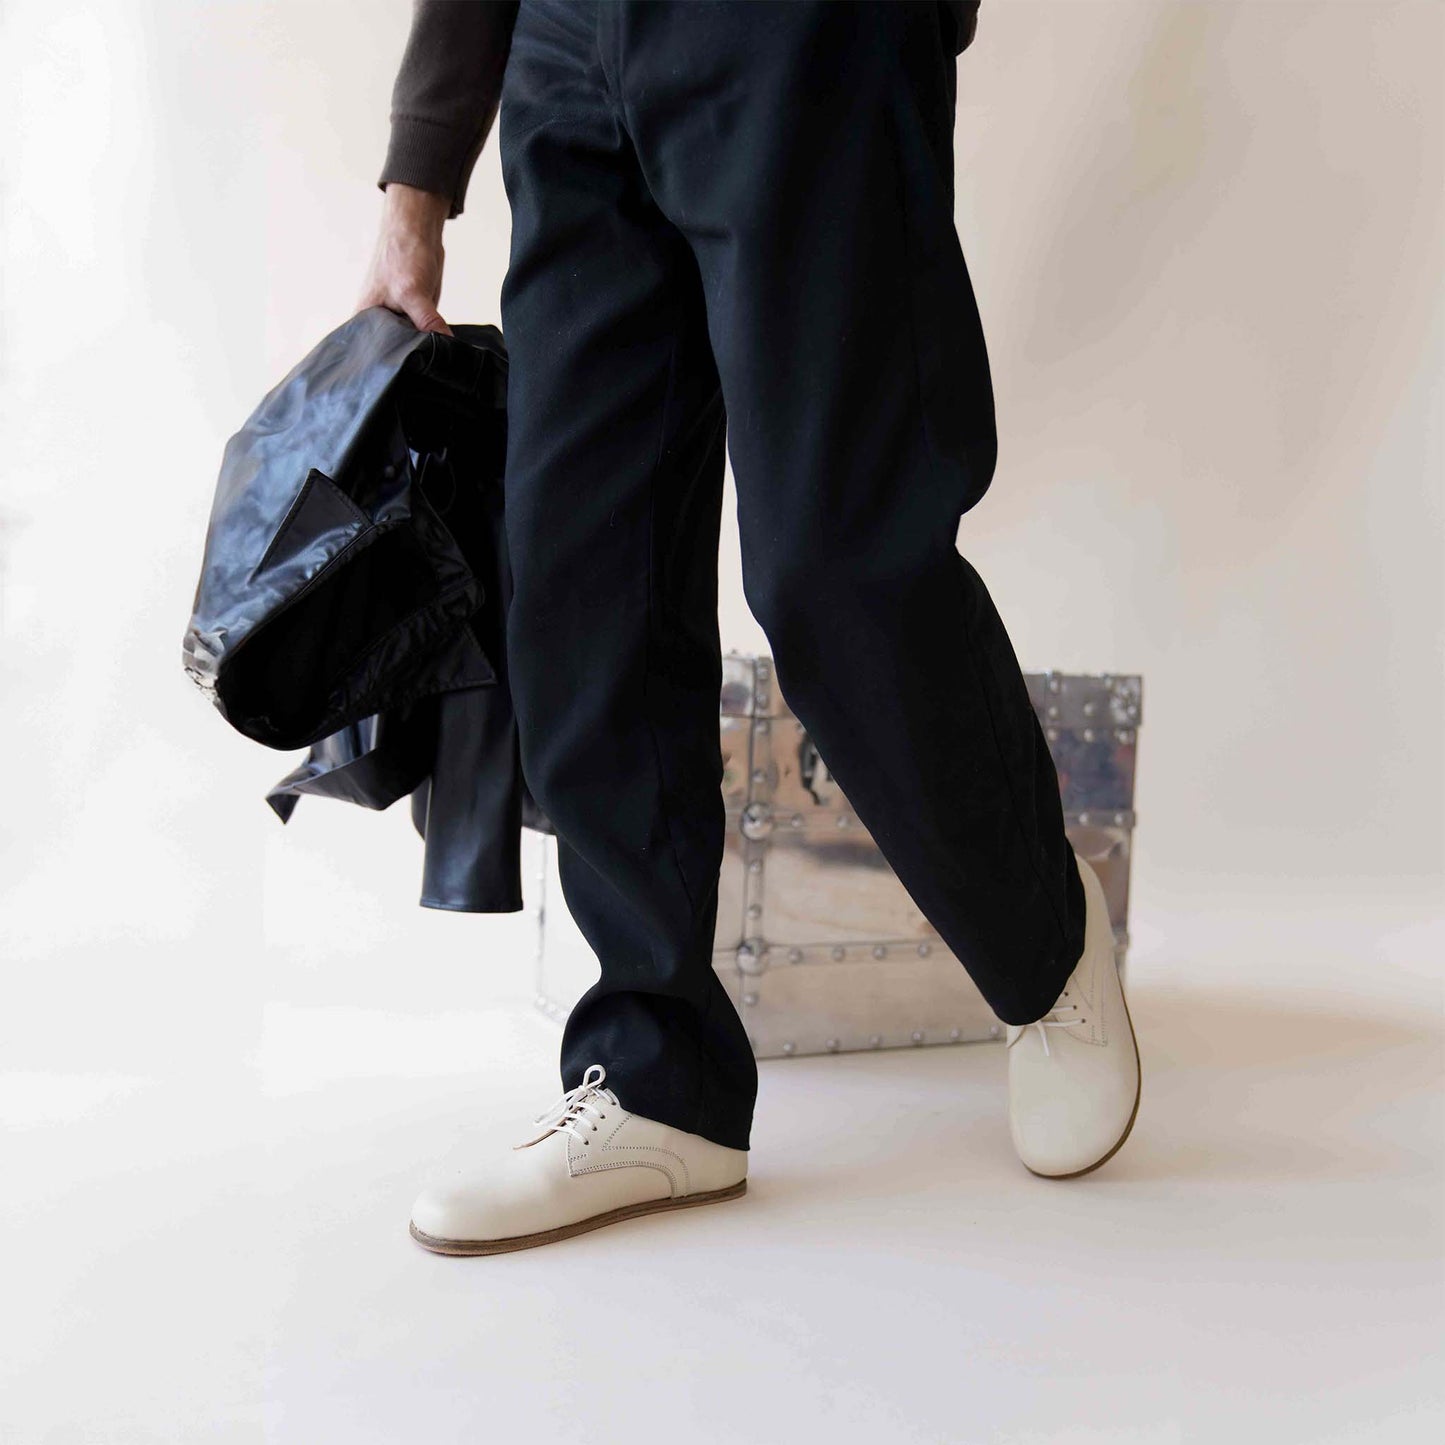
430, 157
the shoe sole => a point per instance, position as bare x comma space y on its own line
1128, 1128
566, 1231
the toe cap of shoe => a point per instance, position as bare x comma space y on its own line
443, 1211
1069, 1130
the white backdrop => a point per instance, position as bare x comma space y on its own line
1206, 240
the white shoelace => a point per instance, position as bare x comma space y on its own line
1051, 1020
577, 1107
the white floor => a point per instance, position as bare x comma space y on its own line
224, 1257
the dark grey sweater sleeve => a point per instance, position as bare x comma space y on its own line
446, 93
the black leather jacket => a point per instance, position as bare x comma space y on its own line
354, 588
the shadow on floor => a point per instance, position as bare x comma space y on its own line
1262, 1088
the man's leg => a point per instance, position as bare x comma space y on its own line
861, 426
805, 150
614, 488
613, 496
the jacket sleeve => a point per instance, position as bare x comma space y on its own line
445, 95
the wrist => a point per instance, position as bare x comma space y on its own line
414, 209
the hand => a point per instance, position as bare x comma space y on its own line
406, 267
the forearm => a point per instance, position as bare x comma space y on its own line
446, 93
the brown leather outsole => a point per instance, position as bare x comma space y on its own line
1128, 1128
566, 1231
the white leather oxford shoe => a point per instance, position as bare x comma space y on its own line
593, 1164
1073, 1075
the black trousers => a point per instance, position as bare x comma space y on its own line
741, 216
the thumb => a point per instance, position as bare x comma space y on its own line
428, 318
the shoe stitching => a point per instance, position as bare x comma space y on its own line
1093, 1002
614, 1162
612, 1148
634, 1164
607, 1146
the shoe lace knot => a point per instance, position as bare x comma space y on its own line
578, 1111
